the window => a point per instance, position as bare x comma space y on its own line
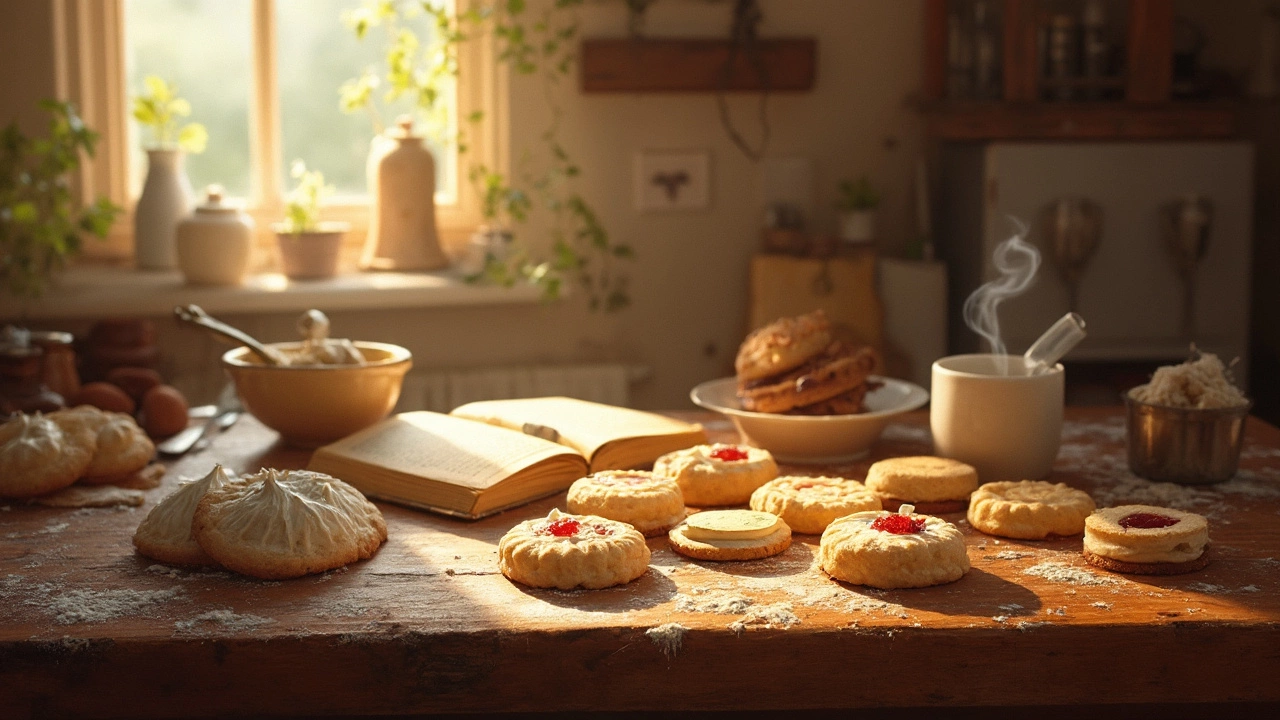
263, 77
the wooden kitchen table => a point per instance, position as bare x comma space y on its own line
89, 629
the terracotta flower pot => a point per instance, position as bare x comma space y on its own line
311, 255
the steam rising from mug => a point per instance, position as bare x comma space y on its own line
1017, 263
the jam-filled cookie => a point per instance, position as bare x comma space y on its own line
893, 550
1146, 540
572, 551
809, 504
648, 502
730, 535
931, 484
1029, 509
711, 475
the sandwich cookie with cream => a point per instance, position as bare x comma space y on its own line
1146, 540
730, 535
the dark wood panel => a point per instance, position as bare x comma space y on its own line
1070, 121
675, 66
1150, 51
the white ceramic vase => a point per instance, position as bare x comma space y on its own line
858, 226
166, 199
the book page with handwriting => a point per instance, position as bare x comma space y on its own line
447, 449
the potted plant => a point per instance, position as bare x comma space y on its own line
857, 205
40, 223
309, 249
166, 194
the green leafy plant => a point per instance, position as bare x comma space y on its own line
302, 205
160, 109
41, 225
541, 44
858, 195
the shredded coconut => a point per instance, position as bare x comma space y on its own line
223, 619
1059, 572
1200, 383
668, 637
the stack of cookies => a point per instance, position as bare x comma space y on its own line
796, 366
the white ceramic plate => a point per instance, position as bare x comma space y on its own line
819, 439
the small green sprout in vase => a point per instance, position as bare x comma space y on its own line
160, 109
857, 204
309, 249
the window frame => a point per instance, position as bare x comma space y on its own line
90, 72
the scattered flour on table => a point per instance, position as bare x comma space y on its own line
224, 619
81, 606
1000, 618
769, 616
1062, 573
1100, 604
53, 528
1111, 431
719, 603
1011, 607
1009, 555
668, 637
1026, 625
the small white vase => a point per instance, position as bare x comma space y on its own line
858, 226
166, 199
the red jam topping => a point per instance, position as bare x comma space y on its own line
898, 524
1147, 521
601, 530
564, 527
729, 454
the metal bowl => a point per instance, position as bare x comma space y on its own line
1189, 446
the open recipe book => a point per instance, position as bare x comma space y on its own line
488, 456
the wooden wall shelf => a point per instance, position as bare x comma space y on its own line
1079, 121
673, 66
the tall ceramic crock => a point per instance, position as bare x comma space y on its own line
166, 199
402, 223
215, 242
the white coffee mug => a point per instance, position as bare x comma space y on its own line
1008, 426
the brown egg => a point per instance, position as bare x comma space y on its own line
103, 396
164, 411
135, 381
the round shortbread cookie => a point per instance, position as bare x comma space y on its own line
809, 504
922, 478
122, 447
1144, 535
887, 550
836, 372
165, 533
712, 475
37, 456
782, 345
1029, 509
648, 502
284, 524
730, 535
572, 551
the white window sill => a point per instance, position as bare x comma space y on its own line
94, 291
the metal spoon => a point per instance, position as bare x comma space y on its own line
196, 316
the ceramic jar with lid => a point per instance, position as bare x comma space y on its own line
215, 242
